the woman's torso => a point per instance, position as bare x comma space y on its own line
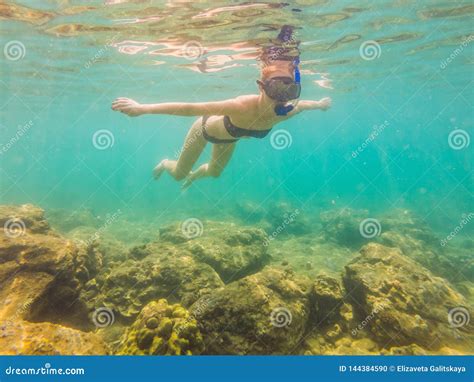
250, 116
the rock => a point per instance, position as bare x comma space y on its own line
67, 220
342, 226
412, 349
40, 271
282, 219
232, 251
166, 271
249, 212
162, 329
26, 338
23, 218
111, 249
326, 301
265, 313
399, 301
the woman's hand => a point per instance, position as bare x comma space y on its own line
324, 103
128, 106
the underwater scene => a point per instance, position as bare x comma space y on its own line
236, 178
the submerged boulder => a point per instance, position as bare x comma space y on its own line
38, 266
162, 329
265, 313
342, 226
326, 300
27, 338
164, 271
400, 302
231, 250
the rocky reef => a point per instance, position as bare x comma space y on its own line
265, 313
409, 304
225, 288
41, 275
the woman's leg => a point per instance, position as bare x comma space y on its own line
221, 154
192, 148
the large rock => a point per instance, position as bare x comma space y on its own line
283, 218
37, 266
400, 302
162, 329
265, 313
26, 338
342, 226
326, 300
160, 271
231, 250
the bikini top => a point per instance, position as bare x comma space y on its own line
238, 132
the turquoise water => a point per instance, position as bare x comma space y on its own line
75, 59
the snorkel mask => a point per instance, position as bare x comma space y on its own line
284, 89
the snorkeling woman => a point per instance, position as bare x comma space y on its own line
224, 123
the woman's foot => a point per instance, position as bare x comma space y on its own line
193, 175
158, 170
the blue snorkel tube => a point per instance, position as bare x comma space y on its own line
285, 109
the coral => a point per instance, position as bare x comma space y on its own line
400, 301
162, 329
264, 313
26, 338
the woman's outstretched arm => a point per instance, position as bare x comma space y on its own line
133, 108
322, 104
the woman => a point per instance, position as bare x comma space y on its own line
223, 123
